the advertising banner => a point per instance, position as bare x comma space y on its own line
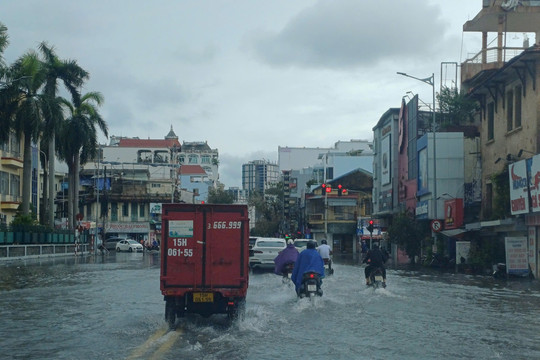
519, 188
517, 257
386, 161
453, 213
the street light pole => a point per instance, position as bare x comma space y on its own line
430, 81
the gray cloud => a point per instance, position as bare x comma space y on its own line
345, 34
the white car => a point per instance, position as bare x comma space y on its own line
301, 244
265, 250
128, 245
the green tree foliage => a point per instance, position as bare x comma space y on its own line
407, 234
455, 108
79, 132
219, 196
268, 210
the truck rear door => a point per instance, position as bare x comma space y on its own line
205, 246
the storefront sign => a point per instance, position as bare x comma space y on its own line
422, 210
517, 258
453, 213
128, 227
519, 188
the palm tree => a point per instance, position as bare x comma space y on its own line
81, 142
22, 108
4, 42
73, 76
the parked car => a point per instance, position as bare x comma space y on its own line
265, 250
251, 243
301, 244
128, 245
110, 243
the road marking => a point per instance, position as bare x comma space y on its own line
166, 346
163, 336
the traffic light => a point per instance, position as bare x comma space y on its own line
370, 226
339, 190
326, 188
344, 191
323, 188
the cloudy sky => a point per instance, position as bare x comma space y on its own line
248, 76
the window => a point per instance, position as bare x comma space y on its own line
517, 107
181, 159
133, 211
509, 110
205, 159
114, 211
193, 159
490, 120
141, 211
125, 210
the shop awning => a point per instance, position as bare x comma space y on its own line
453, 232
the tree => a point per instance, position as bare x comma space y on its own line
405, 232
81, 143
268, 210
21, 109
456, 108
219, 196
72, 76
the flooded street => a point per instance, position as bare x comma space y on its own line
111, 308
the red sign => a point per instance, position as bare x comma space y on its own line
436, 225
453, 213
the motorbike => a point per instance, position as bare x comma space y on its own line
287, 272
311, 285
328, 267
376, 278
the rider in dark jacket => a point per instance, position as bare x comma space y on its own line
308, 260
375, 259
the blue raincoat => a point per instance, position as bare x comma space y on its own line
308, 260
285, 256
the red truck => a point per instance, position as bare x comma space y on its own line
204, 259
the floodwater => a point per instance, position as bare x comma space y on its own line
111, 308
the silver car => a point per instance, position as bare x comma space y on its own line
265, 250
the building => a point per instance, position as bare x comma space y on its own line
503, 80
332, 212
259, 175
194, 179
199, 153
11, 169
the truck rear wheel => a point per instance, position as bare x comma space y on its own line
170, 313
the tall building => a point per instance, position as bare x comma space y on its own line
259, 175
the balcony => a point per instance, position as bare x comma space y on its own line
11, 161
490, 59
10, 202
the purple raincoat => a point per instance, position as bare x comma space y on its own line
285, 256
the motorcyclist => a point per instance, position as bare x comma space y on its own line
325, 251
308, 260
285, 256
375, 259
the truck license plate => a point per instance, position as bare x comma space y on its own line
203, 297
